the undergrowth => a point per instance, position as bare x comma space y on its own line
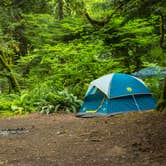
44, 101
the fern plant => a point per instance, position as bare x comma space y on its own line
61, 101
22, 103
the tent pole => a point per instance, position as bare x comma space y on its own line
136, 103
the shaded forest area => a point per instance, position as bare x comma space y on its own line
50, 50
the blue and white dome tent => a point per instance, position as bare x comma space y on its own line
116, 93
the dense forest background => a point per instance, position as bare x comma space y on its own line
50, 50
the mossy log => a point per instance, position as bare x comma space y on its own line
161, 106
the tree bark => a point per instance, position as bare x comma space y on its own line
60, 9
13, 81
161, 106
162, 30
18, 32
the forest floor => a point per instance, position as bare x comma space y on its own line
133, 139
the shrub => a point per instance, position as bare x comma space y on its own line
61, 101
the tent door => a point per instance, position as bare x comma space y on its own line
96, 110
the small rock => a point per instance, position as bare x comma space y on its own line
60, 132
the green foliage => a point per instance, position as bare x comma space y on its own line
22, 104
39, 99
99, 9
158, 55
5, 102
155, 84
16, 103
61, 101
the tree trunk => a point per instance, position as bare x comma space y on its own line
22, 46
18, 32
162, 30
60, 9
13, 81
162, 102
161, 106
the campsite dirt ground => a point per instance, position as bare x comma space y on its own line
134, 139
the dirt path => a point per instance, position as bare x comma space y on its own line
136, 139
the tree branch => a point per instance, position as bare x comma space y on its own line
105, 21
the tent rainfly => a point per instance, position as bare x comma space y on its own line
116, 93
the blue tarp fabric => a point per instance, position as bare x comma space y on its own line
151, 71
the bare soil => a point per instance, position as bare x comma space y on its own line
133, 139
